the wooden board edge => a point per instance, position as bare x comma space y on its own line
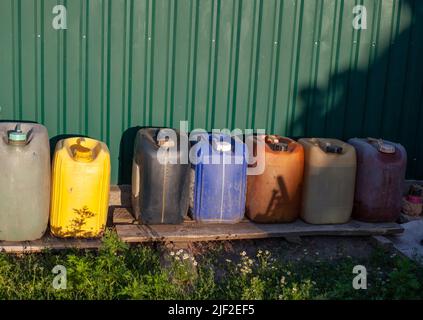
256, 235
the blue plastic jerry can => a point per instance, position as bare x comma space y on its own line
219, 180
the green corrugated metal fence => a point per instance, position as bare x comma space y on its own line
294, 67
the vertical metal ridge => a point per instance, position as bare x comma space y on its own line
214, 49
170, 53
108, 46
104, 68
234, 90
252, 67
17, 59
336, 66
296, 50
233, 65
166, 76
82, 66
13, 48
193, 57
353, 67
64, 77
407, 70
126, 70
273, 76
278, 40
419, 129
368, 70
86, 84
130, 62
150, 61
389, 57
399, 126
150, 67
171, 61
230, 67
376, 19
36, 64
314, 66
20, 59
146, 60
316, 51
414, 83
255, 58
39, 60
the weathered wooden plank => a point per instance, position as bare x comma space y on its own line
248, 230
48, 242
122, 216
120, 195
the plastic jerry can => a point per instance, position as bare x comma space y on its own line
80, 190
329, 181
24, 181
219, 180
275, 195
160, 177
381, 167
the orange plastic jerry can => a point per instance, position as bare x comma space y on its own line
275, 195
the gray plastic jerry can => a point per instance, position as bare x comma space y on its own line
24, 181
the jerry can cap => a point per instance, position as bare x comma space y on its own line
381, 146
275, 144
222, 146
165, 142
330, 147
16, 136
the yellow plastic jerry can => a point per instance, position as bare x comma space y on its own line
80, 189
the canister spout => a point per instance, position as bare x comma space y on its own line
16, 136
382, 146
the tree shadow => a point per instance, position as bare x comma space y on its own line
380, 100
77, 227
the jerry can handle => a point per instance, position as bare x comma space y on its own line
329, 147
276, 144
165, 142
82, 153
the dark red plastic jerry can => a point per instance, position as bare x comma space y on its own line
381, 167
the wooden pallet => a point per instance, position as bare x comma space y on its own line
129, 231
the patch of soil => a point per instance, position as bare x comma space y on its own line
310, 249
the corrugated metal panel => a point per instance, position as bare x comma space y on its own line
294, 67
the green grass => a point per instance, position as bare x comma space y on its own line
119, 272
